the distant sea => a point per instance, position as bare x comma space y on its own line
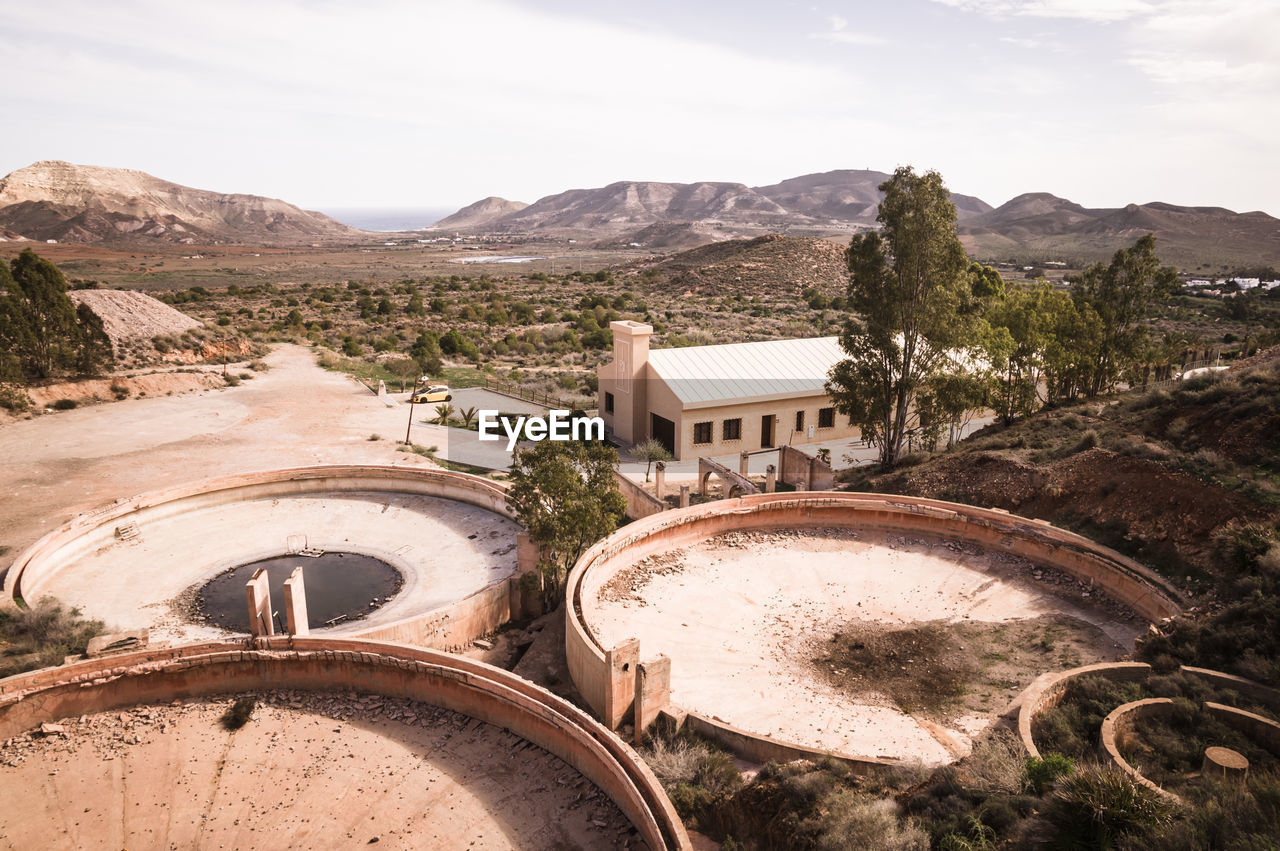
389, 218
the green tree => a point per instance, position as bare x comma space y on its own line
94, 353
444, 413
1024, 323
650, 450
1121, 294
42, 331
913, 304
564, 495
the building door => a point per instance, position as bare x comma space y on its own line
663, 430
766, 431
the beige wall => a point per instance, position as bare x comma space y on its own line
784, 412
624, 377
638, 391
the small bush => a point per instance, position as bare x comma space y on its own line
239, 713
65, 404
1088, 440
848, 822
259, 366
232, 380
14, 399
1096, 808
1041, 773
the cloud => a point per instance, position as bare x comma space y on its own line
1099, 11
840, 34
324, 101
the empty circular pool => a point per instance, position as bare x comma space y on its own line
340, 587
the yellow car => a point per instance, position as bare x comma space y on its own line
434, 393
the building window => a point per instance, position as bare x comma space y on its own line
826, 418
799, 420
608, 403
732, 429
702, 432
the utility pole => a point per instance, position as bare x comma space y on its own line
409, 427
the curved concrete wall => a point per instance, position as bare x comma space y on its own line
447, 627
1118, 723
606, 686
465, 686
1048, 693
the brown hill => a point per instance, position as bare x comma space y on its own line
670, 236
75, 203
1039, 226
1156, 476
480, 214
847, 195
630, 204
771, 264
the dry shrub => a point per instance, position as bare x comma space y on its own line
42, 635
849, 822
996, 765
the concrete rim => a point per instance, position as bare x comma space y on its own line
1138, 588
293, 481
318, 664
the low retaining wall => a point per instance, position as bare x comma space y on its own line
1133, 585
1048, 694
640, 503
758, 748
461, 685
1118, 724
1265, 695
1263, 730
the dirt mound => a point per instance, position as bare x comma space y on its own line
767, 264
1158, 515
129, 315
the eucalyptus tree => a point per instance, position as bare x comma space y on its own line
914, 311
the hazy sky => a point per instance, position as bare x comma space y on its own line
332, 103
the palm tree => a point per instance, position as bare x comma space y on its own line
468, 416
444, 413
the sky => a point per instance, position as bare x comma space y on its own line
332, 104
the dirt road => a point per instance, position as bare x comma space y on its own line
55, 466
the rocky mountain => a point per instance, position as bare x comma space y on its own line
814, 201
480, 214
847, 196
631, 204
76, 203
1033, 227
1042, 226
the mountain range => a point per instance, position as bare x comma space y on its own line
1033, 227
73, 203
78, 203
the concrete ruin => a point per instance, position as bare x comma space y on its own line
479, 692
606, 669
450, 536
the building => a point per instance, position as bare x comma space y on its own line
717, 400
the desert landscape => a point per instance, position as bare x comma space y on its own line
928, 365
